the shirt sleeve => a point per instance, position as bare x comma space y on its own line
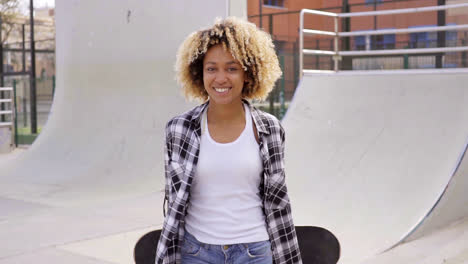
167, 155
279, 218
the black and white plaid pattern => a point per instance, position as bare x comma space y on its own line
183, 135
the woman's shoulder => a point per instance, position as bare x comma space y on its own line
183, 120
267, 120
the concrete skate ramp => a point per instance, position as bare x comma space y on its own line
378, 158
115, 91
92, 182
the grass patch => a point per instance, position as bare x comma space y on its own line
26, 139
27, 130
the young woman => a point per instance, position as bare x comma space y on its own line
225, 180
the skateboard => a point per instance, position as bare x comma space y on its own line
317, 245
145, 248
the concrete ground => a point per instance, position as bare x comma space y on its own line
100, 233
448, 245
6, 157
107, 232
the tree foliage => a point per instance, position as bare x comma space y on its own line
9, 10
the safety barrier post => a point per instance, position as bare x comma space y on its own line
14, 113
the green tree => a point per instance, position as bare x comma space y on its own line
8, 12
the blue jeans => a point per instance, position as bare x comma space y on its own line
196, 252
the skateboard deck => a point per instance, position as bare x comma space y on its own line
145, 248
317, 245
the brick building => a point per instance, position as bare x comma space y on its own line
281, 19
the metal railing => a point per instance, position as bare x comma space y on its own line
7, 99
337, 54
6, 112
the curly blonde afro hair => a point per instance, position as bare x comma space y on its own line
250, 46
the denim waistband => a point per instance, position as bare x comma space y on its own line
192, 239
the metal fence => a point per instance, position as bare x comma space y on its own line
45, 89
418, 36
6, 118
336, 54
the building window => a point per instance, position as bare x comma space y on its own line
371, 2
360, 43
279, 3
381, 42
429, 39
376, 42
423, 40
451, 38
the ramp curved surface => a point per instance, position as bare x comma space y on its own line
95, 174
378, 158
115, 91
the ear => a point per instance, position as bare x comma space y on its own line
246, 77
246, 83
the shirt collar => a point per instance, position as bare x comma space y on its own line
256, 114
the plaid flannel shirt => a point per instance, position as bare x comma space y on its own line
182, 147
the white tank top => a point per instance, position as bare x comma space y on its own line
225, 206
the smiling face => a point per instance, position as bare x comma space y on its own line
223, 76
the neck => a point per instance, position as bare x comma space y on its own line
225, 113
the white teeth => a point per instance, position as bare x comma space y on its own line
221, 90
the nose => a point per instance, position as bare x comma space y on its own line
221, 77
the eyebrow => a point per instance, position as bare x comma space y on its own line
230, 62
